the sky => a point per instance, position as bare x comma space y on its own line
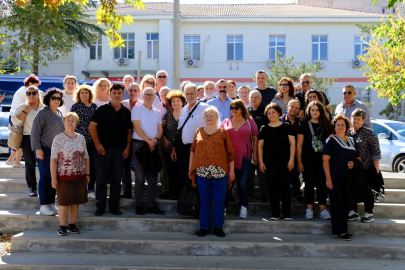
225, 1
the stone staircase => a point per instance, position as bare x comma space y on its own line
164, 242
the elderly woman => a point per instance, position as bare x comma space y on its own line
232, 89
25, 113
311, 138
101, 89
70, 170
149, 81
338, 158
286, 89
368, 147
243, 92
212, 170
276, 160
200, 94
47, 124
84, 108
177, 101
314, 95
243, 133
18, 99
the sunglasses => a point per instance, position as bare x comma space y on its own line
347, 93
234, 108
306, 82
283, 84
150, 83
56, 98
161, 77
34, 93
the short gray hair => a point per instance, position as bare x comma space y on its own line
191, 85
211, 108
349, 86
222, 80
126, 76
208, 82
255, 92
305, 75
148, 88
162, 71
165, 87
261, 72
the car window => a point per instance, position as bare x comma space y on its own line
4, 120
378, 129
398, 127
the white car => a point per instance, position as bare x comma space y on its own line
4, 150
391, 135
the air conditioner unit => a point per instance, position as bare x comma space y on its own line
357, 63
271, 63
122, 61
322, 63
192, 63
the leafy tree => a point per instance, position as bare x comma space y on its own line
392, 112
41, 34
283, 67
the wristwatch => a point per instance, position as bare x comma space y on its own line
157, 140
88, 175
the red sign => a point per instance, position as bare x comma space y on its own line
116, 79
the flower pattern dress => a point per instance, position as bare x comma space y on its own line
71, 154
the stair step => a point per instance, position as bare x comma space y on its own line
173, 243
14, 221
80, 261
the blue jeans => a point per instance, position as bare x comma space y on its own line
212, 189
45, 190
241, 177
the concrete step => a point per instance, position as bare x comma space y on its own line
80, 261
14, 221
179, 244
22, 201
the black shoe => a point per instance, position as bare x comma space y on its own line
300, 199
348, 234
127, 195
99, 212
165, 195
139, 210
154, 210
231, 199
219, 232
62, 231
73, 228
115, 211
202, 232
33, 193
263, 198
174, 198
344, 237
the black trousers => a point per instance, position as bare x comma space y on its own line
173, 169
183, 157
126, 174
295, 182
91, 150
339, 206
369, 201
278, 183
314, 176
30, 162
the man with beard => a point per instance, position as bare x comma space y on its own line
222, 102
209, 90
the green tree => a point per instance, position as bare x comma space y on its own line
42, 34
392, 112
283, 67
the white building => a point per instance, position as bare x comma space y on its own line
231, 42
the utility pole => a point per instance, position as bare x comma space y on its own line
176, 44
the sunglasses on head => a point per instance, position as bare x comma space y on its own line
347, 93
34, 93
306, 82
234, 108
162, 77
56, 98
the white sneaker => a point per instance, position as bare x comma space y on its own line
91, 195
53, 208
8, 162
324, 214
367, 218
309, 214
46, 211
353, 216
225, 212
243, 212
18, 166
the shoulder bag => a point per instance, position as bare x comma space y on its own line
15, 136
178, 141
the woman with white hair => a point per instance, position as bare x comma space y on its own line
101, 89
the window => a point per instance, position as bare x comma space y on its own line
152, 46
96, 48
378, 129
234, 48
319, 48
383, 10
277, 43
191, 47
393, 10
129, 50
360, 46
363, 96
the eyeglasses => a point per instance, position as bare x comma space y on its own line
235, 108
148, 95
56, 98
162, 77
210, 115
306, 82
283, 84
34, 93
150, 83
347, 93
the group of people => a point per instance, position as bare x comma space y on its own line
86, 137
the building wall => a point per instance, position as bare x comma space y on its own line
361, 5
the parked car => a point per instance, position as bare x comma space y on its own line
4, 150
391, 135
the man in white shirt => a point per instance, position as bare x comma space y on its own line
148, 131
69, 83
195, 121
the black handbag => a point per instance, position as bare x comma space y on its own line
178, 141
189, 202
